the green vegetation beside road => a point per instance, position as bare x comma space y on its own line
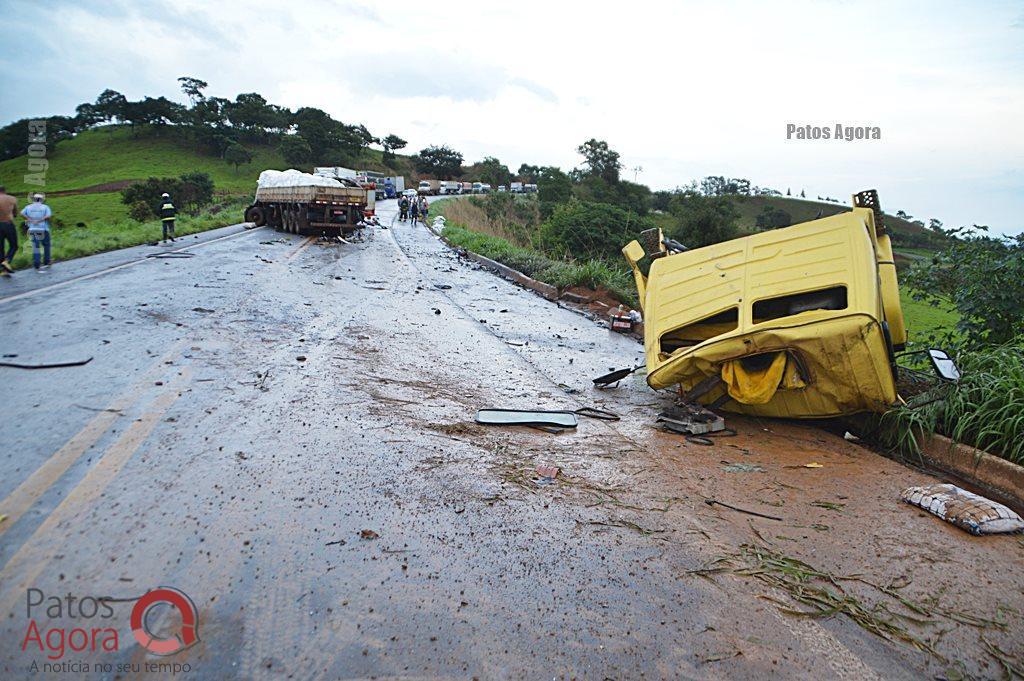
926, 320
564, 273
75, 242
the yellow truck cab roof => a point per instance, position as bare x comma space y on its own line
812, 291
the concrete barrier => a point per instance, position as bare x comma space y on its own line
1000, 478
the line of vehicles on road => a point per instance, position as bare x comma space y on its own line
453, 187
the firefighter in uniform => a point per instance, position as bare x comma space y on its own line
167, 213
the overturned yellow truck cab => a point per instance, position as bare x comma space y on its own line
799, 322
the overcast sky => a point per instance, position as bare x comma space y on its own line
680, 89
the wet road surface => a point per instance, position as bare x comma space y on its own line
283, 430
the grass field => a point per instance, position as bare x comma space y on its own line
924, 320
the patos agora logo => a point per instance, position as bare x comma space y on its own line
91, 629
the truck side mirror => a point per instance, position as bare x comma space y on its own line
944, 366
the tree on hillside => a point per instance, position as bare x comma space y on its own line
628, 195
256, 118
160, 112
391, 144
295, 150
110, 104
493, 172
237, 155
441, 162
331, 140
702, 220
193, 89
600, 159
355, 138
802, 195
661, 199
528, 173
772, 217
16, 139
553, 186
87, 115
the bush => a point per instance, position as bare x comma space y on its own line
983, 277
190, 192
196, 191
140, 211
702, 220
771, 217
585, 230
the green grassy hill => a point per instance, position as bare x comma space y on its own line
802, 210
93, 167
97, 163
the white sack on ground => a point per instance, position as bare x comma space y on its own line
966, 510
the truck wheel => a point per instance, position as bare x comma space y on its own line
255, 215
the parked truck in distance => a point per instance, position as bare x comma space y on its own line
394, 186
516, 187
428, 187
301, 203
447, 187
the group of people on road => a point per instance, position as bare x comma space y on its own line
414, 208
37, 217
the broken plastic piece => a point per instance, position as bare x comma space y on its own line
966, 510
520, 417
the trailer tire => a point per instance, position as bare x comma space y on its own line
255, 215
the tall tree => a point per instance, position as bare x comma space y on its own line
111, 104
528, 173
391, 144
193, 89
600, 159
493, 172
295, 150
440, 161
237, 155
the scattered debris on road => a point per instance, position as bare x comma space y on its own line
743, 467
368, 534
688, 419
611, 380
51, 365
966, 510
714, 502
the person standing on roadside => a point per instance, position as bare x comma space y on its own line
414, 210
403, 209
37, 214
167, 214
8, 234
424, 207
